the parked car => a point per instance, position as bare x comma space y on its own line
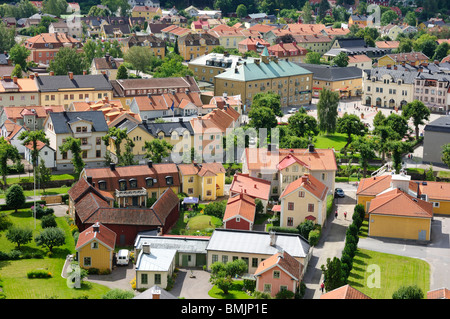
292, 111
123, 257
338, 192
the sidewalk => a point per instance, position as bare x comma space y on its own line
330, 245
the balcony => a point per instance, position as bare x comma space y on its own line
82, 134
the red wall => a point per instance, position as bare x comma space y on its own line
233, 224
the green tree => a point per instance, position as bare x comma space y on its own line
397, 149
95, 11
19, 235
378, 119
69, 60
172, 66
15, 197
305, 228
405, 45
18, 55
33, 137
117, 136
408, 292
418, 112
312, 58
334, 276
410, 18
43, 174
17, 72
430, 174
262, 117
216, 209
268, 99
306, 13
74, 146
341, 59
7, 37
117, 5
122, 72
241, 11
350, 124
140, 58
323, 7
398, 123
48, 221
446, 154
426, 44
157, 149
7, 152
55, 7
365, 147
442, 51
51, 237
388, 17
303, 125
327, 111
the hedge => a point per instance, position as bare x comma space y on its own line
26, 205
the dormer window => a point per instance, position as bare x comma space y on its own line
122, 185
102, 185
149, 181
133, 183
169, 180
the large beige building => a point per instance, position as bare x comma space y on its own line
292, 82
388, 86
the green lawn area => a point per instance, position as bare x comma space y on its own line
30, 179
39, 192
337, 140
234, 293
201, 222
443, 174
16, 285
395, 271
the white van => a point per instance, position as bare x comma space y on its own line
123, 257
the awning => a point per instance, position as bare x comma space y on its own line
190, 200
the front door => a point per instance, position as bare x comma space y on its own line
422, 235
135, 201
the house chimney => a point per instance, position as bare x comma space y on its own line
146, 248
71, 75
89, 179
52, 73
311, 148
112, 166
32, 76
84, 72
15, 79
273, 238
150, 164
156, 294
388, 66
96, 227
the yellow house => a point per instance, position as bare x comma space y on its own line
394, 214
412, 58
303, 199
437, 193
65, 89
194, 45
95, 247
146, 12
205, 181
370, 187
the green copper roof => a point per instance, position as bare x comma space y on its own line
262, 71
265, 52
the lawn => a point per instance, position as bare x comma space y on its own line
394, 271
201, 222
16, 285
336, 140
443, 174
30, 179
40, 192
234, 293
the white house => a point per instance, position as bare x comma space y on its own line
11, 132
46, 154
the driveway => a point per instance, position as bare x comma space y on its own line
119, 278
192, 288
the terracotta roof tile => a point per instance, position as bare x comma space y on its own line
442, 293
284, 261
104, 235
240, 205
252, 186
309, 183
344, 292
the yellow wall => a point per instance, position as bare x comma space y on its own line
364, 200
385, 60
444, 207
353, 85
200, 186
300, 211
138, 136
195, 51
147, 15
398, 227
101, 258
66, 97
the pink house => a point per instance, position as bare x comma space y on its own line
279, 272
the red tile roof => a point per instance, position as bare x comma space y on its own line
282, 260
252, 186
344, 292
104, 235
442, 293
398, 203
372, 186
240, 205
309, 183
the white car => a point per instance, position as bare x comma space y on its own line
123, 257
292, 111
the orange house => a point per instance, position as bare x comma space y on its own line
279, 272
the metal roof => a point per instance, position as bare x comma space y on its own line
179, 243
157, 260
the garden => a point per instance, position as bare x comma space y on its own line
33, 253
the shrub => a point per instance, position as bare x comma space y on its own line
48, 221
93, 271
39, 273
5, 221
249, 285
284, 230
284, 294
216, 209
305, 227
261, 295
15, 197
118, 294
408, 292
314, 237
